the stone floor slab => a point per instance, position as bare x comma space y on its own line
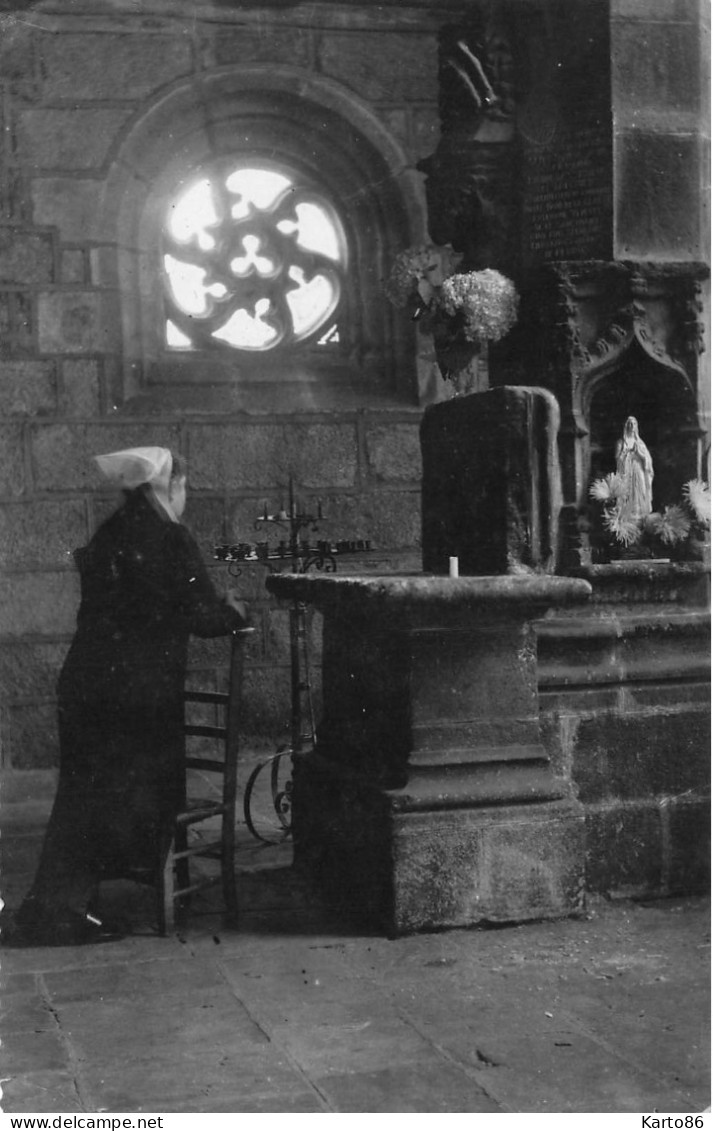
422, 1088
175, 979
304, 1102
25, 1015
662, 1025
16, 983
353, 1045
130, 949
295, 1013
619, 1092
41, 1051
198, 1076
106, 1030
553, 1074
32, 1091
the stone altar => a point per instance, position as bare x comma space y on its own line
429, 801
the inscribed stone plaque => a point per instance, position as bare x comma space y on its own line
567, 208
564, 124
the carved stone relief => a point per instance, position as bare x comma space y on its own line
469, 178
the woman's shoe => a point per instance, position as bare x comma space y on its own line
72, 929
89, 928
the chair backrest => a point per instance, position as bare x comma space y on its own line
174, 882
227, 732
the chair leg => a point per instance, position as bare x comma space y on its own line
166, 887
227, 868
182, 868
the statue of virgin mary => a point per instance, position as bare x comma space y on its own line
635, 469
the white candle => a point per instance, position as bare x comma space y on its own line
453, 567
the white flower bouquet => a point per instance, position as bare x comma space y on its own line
482, 305
658, 531
486, 300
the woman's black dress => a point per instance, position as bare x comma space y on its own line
144, 590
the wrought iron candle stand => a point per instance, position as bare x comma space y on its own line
296, 553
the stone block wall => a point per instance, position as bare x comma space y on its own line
367, 491
625, 711
660, 55
71, 86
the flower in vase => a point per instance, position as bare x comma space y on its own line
656, 533
461, 310
607, 489
483, 305
417, 276
625, 529
697, 495
487, 301
671, 525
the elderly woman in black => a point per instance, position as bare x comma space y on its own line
144, 590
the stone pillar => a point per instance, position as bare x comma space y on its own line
661, 129
429, 801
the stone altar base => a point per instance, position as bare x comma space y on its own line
430, 801
401, 872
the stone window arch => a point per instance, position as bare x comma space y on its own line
327, 141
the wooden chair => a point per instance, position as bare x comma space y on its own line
175, 884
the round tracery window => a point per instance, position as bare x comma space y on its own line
253, 260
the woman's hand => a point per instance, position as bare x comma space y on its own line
237, 603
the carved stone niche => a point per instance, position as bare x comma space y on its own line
610, 340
